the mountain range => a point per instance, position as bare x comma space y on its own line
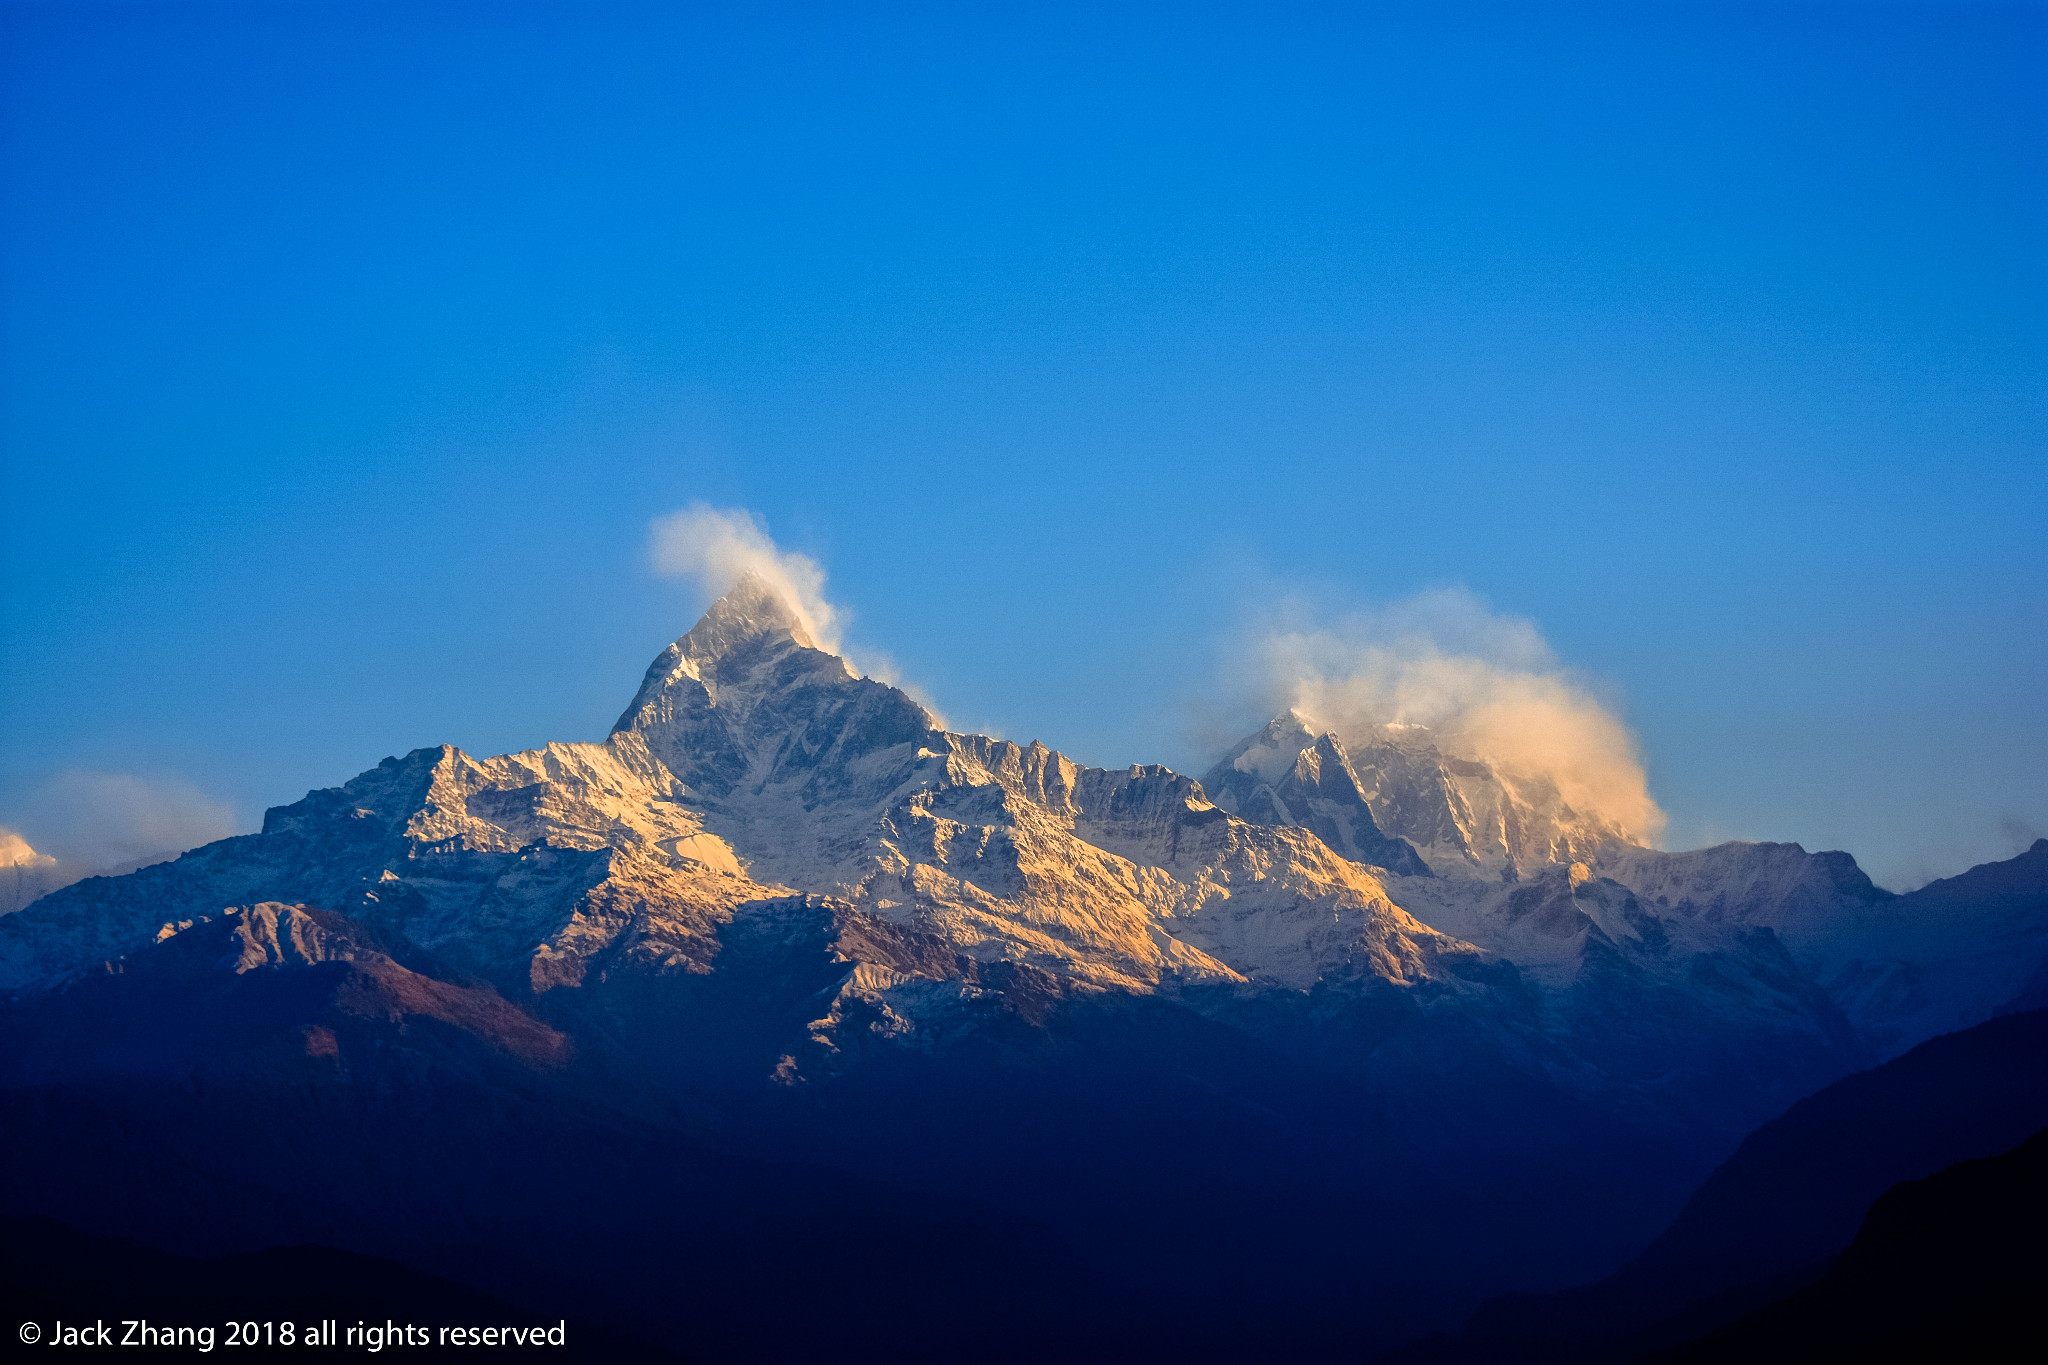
797, 1008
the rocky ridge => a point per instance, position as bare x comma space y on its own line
753, 767
1520, 874
753, 771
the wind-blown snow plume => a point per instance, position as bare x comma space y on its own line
717, 545
1487, 686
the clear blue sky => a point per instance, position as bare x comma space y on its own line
348, 352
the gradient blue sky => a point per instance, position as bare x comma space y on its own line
349, 351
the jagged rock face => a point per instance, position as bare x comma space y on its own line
1523, 876
523, 868
747, 700
1517, 869
1406, 796
1289, 775
840, 785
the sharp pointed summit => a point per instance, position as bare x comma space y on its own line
752, 608
752, 640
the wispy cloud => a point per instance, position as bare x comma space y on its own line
95, 820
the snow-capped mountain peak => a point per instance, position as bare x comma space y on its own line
1464, 816
1289, 773
1270, 754
751, 642
752, 608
